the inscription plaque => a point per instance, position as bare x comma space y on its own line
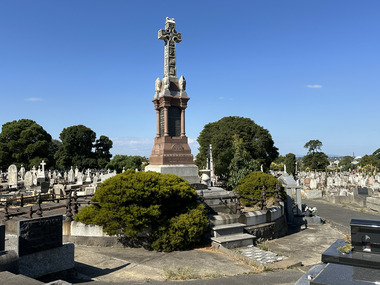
174, 122
39, 234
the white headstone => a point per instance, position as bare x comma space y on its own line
28, 179
22, 172
12, 175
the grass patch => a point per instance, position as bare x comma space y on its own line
180, 273
263, 246
186, 273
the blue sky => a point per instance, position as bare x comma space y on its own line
301, 69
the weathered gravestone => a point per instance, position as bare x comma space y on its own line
45, 187
28, 179
59, 190
40, 247
12, 176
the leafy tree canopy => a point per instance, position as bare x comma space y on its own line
77, 147
369, 160
256, 140
25, 142
313, 146
346, 163
158, 211
241, 164
315, 161
118, 162
376, 153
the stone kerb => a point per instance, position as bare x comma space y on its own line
254, 218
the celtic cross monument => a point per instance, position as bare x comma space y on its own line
171, 152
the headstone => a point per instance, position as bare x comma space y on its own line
22, 172
79, 178
45, 187
59, 190
89, 191
71, 176
76, 172
12, 176
88, 176
365, 235
28, 179
95, 181
39, 234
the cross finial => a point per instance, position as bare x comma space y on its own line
171, 37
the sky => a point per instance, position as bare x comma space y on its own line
301, 69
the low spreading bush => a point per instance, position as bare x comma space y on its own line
157, 211
251, 186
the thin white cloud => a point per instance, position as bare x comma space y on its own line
221, 98
314, 86
33, 99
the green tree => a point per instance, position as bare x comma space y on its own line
251, 186
313, 146
24, 142
278, 163
346, 163
77, 147
315, 159
256, 140
157, 210
118, 162
241, 164
102, 151
376, 153
369, 160
290, 162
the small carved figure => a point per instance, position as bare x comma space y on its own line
166, 82
182, 83
158, 85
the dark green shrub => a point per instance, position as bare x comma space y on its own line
252, 185
160, 211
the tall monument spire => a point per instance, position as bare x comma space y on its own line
171, 152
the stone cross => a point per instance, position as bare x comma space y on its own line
43, 163
170, 37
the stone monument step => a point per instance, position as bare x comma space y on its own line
235, 240
228, 229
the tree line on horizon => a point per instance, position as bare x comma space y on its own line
24, 142
240, 146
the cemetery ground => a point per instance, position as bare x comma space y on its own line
103, 265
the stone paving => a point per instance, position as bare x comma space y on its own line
262, 256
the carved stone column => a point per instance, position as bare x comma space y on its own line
157, 123
183, 133
166, 122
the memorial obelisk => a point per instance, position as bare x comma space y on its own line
171, 152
